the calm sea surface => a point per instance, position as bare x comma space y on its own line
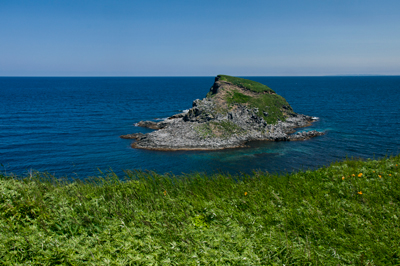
71, 126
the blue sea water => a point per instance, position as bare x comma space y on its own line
70, 126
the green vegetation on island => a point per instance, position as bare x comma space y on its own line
223, 129
344, 214
246, 83
271, 106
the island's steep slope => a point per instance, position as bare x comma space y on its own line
235, 111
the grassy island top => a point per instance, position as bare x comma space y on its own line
271, 106
344, 214
246, 83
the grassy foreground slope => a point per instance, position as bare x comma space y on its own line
346, 214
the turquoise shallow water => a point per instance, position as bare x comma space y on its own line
71, 126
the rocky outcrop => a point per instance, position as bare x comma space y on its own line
137, 136
305, 135
234, 112
151, 124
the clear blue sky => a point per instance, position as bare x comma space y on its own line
199, 37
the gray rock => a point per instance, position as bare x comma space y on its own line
151, 124
305, 135
137, 136
180, 115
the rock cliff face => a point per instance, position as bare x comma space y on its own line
234, 112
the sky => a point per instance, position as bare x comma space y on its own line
199, 38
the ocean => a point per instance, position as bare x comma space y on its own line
70, 126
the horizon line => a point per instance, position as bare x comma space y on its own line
161, 76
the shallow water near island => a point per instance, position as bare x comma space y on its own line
71, 126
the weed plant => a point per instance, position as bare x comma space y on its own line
344, 214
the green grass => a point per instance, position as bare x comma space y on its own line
213, 128
270, 103
204, 130
228, 128
329, 216
238, 97
247, 84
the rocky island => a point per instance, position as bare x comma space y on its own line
234, 112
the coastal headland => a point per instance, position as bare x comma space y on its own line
234, 111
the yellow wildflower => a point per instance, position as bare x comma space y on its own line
390, 174
245, 193
359, 192
373, 171
360, 175
342, 177
165, 192
380, 176
353, 175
